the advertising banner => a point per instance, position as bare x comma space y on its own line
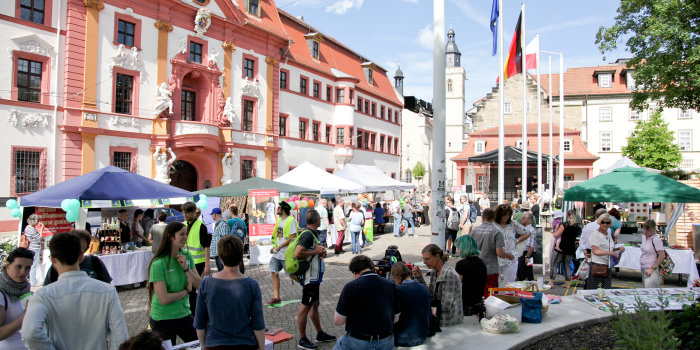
54, 220
262, 216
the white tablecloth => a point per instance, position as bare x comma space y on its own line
683, 259
128, 268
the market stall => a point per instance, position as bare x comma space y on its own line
372, 178
114, 188
683, 259
308, 175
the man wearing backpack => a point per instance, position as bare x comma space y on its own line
452, 225
285, 230
236, 225
309, 251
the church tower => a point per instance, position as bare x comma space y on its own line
398, 80
454, 108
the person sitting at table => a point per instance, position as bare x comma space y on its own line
90, 264
414, 300
379, 216
472, 273
653, 253
229, 311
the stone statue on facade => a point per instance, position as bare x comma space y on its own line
229, 112
227, 168
163, 100
163, 164
202, 21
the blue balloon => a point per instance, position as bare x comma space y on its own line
73, 205
64, 205
11, 204
72, 216
16, 213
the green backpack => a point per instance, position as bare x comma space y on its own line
292, 265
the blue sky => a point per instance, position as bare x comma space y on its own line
392, 31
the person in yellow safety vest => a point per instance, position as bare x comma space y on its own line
285, 230
198, 242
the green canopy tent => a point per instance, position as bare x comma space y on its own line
632, 185
241, 188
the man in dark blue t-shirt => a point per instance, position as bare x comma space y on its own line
369, 321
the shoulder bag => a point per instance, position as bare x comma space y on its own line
666, 266
600, 270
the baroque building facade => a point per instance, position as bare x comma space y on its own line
195, 93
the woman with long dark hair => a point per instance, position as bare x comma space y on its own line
13, 285
172, 277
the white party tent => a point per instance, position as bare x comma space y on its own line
372, 178
310, 176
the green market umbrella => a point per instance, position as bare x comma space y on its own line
241, 188
632, 185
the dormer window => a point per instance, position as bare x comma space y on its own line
313, 40
479, 147
368, 67
631, 83
253, 7
605, 78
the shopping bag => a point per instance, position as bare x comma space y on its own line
532, 308
583, 270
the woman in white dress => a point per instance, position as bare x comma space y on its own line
270, 217
13, 285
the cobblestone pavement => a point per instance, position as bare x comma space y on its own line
135, 301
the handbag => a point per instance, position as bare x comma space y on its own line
666, 266
532, 308
599, 270
435, 317
584, 270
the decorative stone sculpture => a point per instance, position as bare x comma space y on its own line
163, 100
229, 112
163, 164
227, 168
202, 21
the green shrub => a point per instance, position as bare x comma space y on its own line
686, 324
644, 329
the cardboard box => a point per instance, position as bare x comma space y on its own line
504, 305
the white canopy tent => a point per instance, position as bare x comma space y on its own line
623, 162
308, 175
372, 178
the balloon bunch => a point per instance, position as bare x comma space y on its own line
14, 208
202, 203
72, 209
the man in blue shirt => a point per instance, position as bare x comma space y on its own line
369, 321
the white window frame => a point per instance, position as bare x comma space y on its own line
631, 82
686, 164
685, 146
603, 113
610, 142
479, 147
570, 143
507, 108
605, 80
635, 115
684, 114
481, 182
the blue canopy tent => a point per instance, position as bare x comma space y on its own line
109, 187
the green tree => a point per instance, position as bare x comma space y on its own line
664, 38
652, 145
418, 170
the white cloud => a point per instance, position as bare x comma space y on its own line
343, 6
425, 37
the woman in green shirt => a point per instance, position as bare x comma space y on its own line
172, 277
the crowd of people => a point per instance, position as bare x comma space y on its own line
224, 310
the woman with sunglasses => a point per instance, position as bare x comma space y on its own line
602, 248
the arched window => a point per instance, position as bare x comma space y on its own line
409, 176
449, 85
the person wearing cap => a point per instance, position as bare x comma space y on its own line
221, 229
285, 230
524, 207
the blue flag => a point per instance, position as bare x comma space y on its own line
494, 28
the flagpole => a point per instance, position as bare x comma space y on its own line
550, 164
523, 149
539, 124
437, 227
561, 121
501, 159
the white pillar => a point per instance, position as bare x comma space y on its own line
437, 224
501, 143
524, 182
561, 121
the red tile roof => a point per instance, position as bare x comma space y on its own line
334, 54
269, 19
513, 133
583, 81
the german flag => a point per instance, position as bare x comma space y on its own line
514, 63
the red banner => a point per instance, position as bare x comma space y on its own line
262, 212
54, 220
